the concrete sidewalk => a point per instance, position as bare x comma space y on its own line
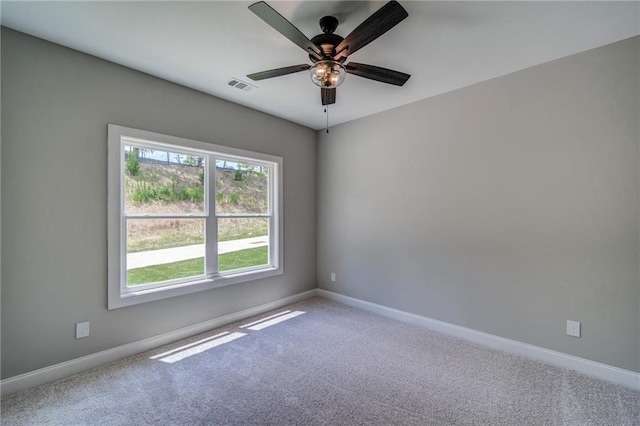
176, 254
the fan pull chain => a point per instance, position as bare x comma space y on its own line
326, 111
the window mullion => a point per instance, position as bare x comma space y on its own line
211, 226
165, 216
243, 215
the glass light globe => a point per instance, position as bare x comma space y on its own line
327, 74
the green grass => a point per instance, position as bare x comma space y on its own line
167, 271
243, 258
194, 267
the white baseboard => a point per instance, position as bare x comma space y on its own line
74, 366
591, 368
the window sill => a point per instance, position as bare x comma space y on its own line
131, 298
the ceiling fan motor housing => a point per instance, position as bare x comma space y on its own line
327, 41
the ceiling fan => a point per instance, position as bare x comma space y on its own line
329, 51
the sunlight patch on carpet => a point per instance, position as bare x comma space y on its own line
197, 347
272, 320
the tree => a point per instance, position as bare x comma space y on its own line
133, 165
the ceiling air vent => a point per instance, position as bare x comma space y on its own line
239, 84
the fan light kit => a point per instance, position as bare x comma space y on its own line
328, 74
328, 51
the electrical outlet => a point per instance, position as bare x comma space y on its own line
333, 277
82, 330
573, 328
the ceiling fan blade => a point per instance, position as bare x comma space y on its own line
284, 27
383, 75
328, 96
277, 72
385, 18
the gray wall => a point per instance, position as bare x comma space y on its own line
56, 104
508, 207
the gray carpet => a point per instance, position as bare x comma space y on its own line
323, 363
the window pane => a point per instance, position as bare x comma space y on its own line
241, 187
164, 249
242, 243
162, 182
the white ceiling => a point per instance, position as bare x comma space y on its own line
443, 45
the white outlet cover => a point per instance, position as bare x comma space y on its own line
82, 330
573, 328
333, 276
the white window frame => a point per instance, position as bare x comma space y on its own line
119, 295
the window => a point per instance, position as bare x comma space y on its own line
186, 216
